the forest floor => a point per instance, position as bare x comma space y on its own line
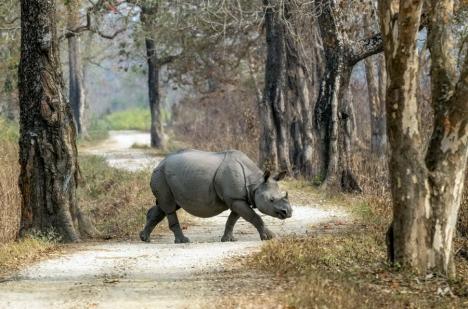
121, 274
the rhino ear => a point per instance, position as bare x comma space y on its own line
280, 175
266, 175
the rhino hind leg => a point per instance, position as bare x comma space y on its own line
167, 203
153, 217
231, 221
176, 229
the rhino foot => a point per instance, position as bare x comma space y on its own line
181, 240
266, 234
144, 237
228, 237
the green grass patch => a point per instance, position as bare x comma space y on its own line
9, 131
130, 119
137, 118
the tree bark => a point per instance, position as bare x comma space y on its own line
426, 186
407, 237
154, 66
76, 87
303, 138
333, 113
274, 98
377, 110
448, 149
48, 154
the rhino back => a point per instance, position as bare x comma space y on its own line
235, 175
190, 175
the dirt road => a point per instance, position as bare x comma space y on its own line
156, 275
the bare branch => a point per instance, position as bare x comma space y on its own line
362, 49
89, 26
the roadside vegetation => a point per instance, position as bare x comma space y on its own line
343, 266
10, 200
33, 247
115, 200
14, 254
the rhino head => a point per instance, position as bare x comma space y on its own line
270, 200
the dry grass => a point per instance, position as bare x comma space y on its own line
14, 255
348, 269
10, 198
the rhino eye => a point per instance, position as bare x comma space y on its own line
272, 199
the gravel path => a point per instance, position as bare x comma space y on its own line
155, 275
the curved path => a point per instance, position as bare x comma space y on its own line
155, 275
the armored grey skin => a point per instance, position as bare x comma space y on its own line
207, 183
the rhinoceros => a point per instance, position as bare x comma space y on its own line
207, 183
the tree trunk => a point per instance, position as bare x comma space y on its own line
333, 111
76, 87
326, 115
304, 142
268, 154
377, 110
156, 130
48, 154
274, 95
382, 82
9, 105
448, 149
426, 187
407, 238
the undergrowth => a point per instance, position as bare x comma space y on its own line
14, 255
116, 200
348, 268
10, 198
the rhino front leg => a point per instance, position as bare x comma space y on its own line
175, 228
231, 221
249, 215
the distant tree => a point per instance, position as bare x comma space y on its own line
427, 183
48, 154
333, 111
74, 28
288, 139
200, 43
76, 87
274, 141
9, 53
375, 70
149, 17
